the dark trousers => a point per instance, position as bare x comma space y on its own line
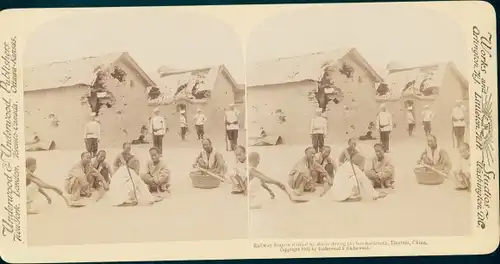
384, 139
92, 146
427, 127
158, 142
318, 141
459, 133
411, 127
232, 135
184, 131
200, 131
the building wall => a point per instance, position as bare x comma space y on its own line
131, 103
66, 104
222, 96
299, 107
449, 92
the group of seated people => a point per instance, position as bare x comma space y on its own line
355, 177
352, 178
122, 182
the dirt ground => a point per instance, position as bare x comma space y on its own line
409, 210
188, 214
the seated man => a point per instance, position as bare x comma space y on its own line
351, 184
99, 163
324, 159
123, 157
435, 157
127, 187
142, 137
210, 160
351, 153
34, 186
300, 178
80, 177
258, 180
380, 169
157, 176
238, 176
462, 173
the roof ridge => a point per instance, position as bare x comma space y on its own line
77, 59
307, 55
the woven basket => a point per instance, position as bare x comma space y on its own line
203, 181
428, 177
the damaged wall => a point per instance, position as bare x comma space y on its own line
450, 91
222, 96
298, 105
66, 104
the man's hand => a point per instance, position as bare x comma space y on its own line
49, 200
281, 186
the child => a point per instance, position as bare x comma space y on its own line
34, 186
257, 180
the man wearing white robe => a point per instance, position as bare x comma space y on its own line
384, 124
458, 121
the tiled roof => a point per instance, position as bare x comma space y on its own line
73, 72
299, 68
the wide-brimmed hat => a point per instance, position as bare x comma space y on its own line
92, 114
156, 110
198, 110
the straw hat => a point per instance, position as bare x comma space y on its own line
156, 110
198, 110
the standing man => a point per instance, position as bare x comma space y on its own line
319, 129
92, 133
458, 122
231, 119
427, 116
411, 121
158, 129
183, 124
199, 123
384, 123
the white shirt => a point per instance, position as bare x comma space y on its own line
464, 165
92, 130
384, 121
410, 117
319, 125
458, 114
158, 125
199, 119
231, 117
183, 121
427, 115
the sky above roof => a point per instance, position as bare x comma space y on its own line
179, 41
406, 34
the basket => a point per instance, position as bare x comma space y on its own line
203, 181
428, 177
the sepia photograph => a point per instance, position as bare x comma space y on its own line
248, 132
132, 119
358, 129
